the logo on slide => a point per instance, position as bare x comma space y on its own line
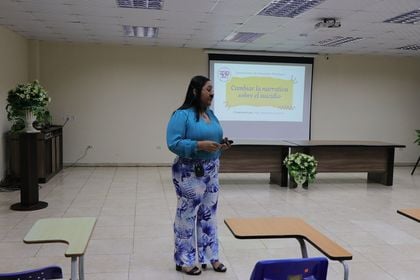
224, 74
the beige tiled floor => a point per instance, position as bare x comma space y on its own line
135, 208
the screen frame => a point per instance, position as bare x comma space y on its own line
268, 59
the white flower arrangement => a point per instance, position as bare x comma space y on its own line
27, 97
301, 167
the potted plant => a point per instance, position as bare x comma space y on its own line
301, 167
25, 104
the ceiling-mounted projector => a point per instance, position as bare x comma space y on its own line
328, 23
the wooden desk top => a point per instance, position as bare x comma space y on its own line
344, 143
412, 213
75, 232
285, 227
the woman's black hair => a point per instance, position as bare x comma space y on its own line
193, 97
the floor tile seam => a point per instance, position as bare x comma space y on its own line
107, 192
79, 191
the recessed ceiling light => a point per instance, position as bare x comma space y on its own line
140, 31
337, 41
411, 17
243, 37
414, 47
288, 8
141, 4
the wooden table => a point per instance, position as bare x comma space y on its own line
261, 157
412, 213
49, 155
289, 227
75, 232
374, 157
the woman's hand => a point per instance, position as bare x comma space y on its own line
225, 144
208, 146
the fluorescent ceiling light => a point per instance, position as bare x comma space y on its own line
288, 8
410, 48
141, 4
140, 31
243, 37
412, 17
337, 41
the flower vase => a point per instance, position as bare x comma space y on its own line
29, 120
300, 180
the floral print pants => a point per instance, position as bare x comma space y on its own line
195, 225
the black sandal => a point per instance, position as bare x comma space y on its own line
193, 271
220, 268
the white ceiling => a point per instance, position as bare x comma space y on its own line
205, 23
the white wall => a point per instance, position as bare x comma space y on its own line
121, 98
13, 70
368, 98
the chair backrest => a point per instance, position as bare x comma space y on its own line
44, 273
291, 269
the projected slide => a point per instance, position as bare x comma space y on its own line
258, 92
262, 98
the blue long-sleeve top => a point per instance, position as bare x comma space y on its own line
184, 131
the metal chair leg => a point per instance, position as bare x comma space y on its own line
73, 268
346, 270
415, 166
81, 269
303, 247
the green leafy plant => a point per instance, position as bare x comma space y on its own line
301, 167
418, 137
30, 96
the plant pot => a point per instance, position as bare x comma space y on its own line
29, 120
299, 181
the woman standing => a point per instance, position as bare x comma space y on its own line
196, 137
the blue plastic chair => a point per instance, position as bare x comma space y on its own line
45, 273
291, 269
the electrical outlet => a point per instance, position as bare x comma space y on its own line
68, 118
89, 147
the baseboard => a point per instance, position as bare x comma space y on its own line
404, 164
122, 164
115, 164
